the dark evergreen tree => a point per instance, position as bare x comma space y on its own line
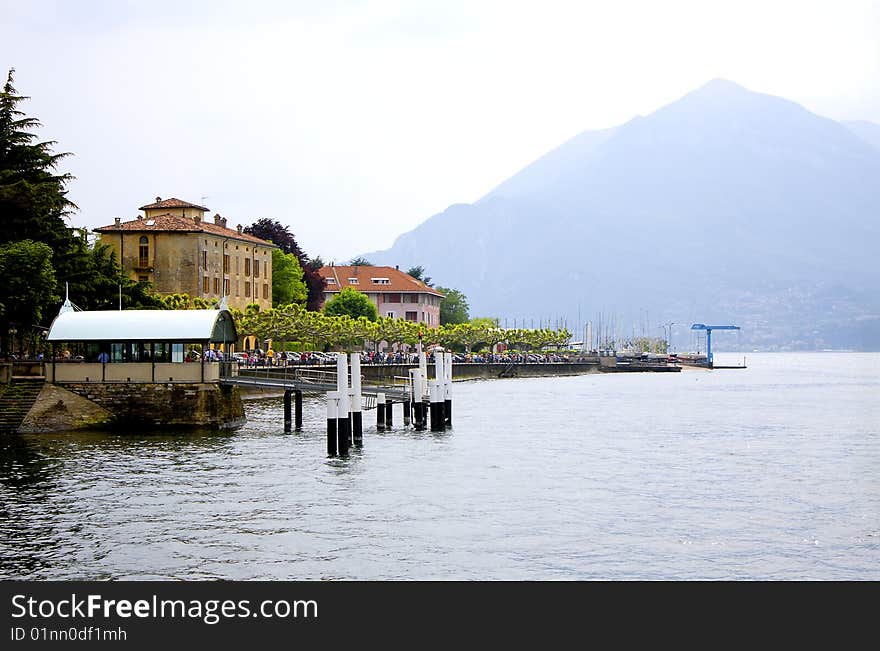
278, 234
33, 197
34, 206
419, 274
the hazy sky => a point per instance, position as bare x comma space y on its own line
352, 122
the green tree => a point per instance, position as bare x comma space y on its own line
353, 303
287, 279
360, 262
33, 198
28, 285
419, 274
273, 231
453, 307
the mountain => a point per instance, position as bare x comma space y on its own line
867, 131
726, 206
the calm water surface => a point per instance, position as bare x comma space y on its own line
767, 473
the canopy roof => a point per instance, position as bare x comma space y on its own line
144, 325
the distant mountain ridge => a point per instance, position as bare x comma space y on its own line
725, 205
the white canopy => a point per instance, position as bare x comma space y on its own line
144, 325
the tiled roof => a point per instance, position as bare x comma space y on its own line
398, 281
171, 203
166, 223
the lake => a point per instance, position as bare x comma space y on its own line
772, 472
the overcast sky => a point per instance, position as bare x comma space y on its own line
354, 121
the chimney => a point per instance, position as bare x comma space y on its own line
118, 221
397, 266
158, 199
217, 219
238, 228
141, 217
223, 222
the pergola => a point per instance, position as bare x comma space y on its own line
157, 337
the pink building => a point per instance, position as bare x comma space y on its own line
395, 293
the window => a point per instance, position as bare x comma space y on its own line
143, 279
390, 315
226, 287
236, 264
206, 285
381, 281
247, 289
237, 288
392, 298
352, 281
205, 259
265, 290
256, 268
247, 266
330, 281
412, 316
226, 263
144, 252
216, 285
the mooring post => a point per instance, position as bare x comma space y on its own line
343, 425
298, 410
436, 397
419, 413
389, 413
357, 430
447, 389
380, 412
406, 403
287, 418
331, 423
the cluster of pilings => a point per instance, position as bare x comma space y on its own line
426, 401
344, 417
430, 400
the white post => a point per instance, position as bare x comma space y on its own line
343, 430
357, 432
380, 412
342, 384
356, 382
423, 371
447, 389
332, 413
438, 367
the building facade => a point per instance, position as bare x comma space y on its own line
395, 294
174, 247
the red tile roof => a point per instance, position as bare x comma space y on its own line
171, 203
398, 281
167, 223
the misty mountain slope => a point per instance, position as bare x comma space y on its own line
867, 131
725, 204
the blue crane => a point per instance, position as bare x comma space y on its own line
709, 329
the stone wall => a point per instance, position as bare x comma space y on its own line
139, 406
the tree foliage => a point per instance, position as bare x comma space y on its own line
280, 235
419, 274
287, 279
360, 262
453, 307
34, 206
353, 303
28, 285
